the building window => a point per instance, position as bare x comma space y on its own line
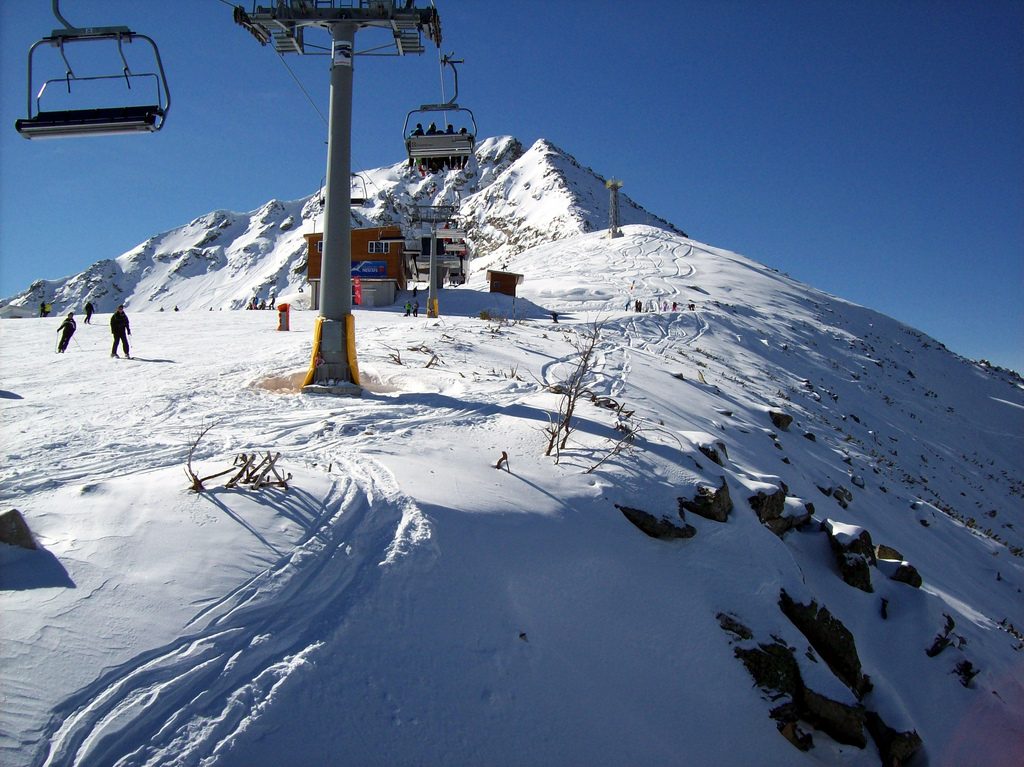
320, 247
380, 247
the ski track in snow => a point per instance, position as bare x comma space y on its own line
237, 649
664, 262
141, 713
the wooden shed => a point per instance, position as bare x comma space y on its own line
504, 282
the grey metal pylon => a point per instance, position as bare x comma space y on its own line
433, 215
614, 185
332, 369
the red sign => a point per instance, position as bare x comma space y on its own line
357, 291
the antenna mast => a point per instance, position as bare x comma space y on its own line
614, 185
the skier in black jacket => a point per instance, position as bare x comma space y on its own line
120, 328
66, 330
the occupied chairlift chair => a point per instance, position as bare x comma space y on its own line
440, 148
133, 118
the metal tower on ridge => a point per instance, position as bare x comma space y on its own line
333, 365
614, 185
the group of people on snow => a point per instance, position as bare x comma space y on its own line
652, 305
120, 329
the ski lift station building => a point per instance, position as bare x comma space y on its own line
385, 258
378, 260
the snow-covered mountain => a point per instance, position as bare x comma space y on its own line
784, 530
510, 199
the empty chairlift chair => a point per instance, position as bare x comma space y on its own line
357, 192
146, 92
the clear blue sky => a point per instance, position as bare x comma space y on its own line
872, 149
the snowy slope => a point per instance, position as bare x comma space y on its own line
511, 199
405, 602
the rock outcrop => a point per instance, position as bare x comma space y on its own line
709, 503
854, 552
661, 528
830, 639
14, 530
772, 510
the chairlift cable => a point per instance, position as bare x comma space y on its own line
302, 88
440, 72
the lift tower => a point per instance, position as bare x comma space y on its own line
333, 366
614, 185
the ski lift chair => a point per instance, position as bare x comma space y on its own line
438, 148
147, 117
357, 197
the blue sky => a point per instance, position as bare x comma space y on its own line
871, 149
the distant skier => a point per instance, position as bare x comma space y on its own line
415, 308
66, 330
120, 329
408, 308
89, 309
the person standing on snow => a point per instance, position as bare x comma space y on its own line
66, 330
89, 309
120, 329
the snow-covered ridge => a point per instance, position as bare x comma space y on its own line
511, 199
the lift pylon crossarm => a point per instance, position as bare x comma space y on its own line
242, 19
284, 21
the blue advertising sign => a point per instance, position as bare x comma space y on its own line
369, 268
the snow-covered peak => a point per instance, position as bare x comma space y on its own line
509, 199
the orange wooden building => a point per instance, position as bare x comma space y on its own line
378, 261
